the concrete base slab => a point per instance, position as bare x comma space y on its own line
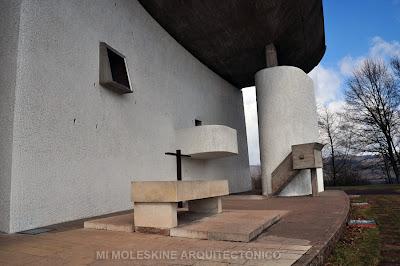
123, 223
230, 225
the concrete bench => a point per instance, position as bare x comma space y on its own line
155, 202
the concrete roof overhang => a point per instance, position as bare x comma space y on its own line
230, 36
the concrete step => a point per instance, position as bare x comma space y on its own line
230, 225
121, 223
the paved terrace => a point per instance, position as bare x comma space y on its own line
305, 235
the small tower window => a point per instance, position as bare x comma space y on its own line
113, 70
197, 122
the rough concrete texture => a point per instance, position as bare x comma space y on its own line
76, 145
230, 36
9, 24
287, 116
208, 142
161, 215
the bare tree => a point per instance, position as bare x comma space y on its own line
373, 102
327, 125
334, 133
395, 63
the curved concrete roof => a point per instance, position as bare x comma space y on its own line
230, 36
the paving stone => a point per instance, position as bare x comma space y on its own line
16, 258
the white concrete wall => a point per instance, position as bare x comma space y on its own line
9, 24
287, 115
78, 145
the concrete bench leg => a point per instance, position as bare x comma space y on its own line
314, 182
209, 205
156, 215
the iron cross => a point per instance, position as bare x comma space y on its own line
179, 156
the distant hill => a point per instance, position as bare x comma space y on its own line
367, 167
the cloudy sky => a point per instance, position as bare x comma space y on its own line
354, 30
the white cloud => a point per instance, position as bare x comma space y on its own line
379, 49
327, 84
250, 111
383, 49
336, 106
347, 64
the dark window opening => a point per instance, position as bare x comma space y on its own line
118, 68
197, 122
113, 70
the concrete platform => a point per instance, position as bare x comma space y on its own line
318, 220
304, 236
231, 225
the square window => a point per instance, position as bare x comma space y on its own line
113, 70
197, 122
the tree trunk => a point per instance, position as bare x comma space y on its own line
332, 157
387, 170
333, 165
392, 159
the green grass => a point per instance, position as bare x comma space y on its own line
358, 246
367, 187
377, 246
371, 246
386, 210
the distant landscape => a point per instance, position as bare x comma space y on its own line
365, 170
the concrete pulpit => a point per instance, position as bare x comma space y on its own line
208, 141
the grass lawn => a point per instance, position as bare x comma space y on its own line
394, 187
371, 246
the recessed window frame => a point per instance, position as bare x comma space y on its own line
106, 77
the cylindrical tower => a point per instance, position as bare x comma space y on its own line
287, 115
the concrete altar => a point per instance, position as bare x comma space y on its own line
155, 202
